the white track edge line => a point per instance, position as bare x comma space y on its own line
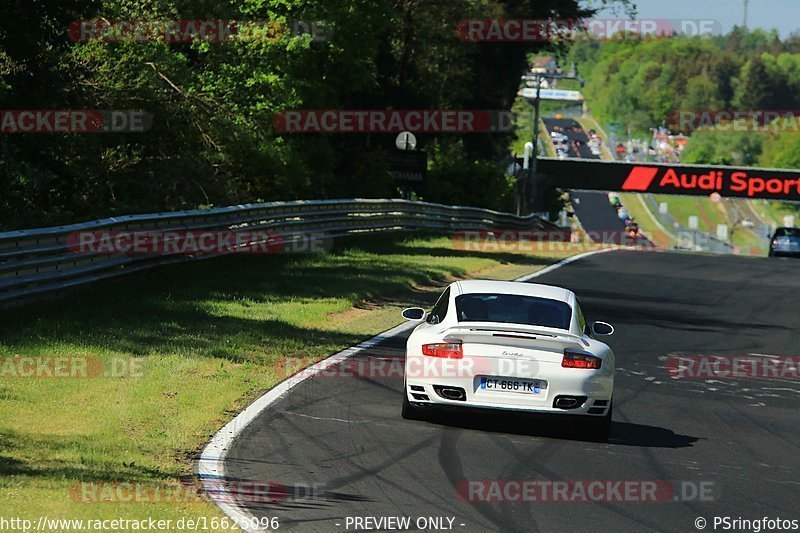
211, 464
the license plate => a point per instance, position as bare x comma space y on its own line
523, 386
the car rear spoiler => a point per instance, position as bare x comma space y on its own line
518, 331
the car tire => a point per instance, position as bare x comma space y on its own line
599, 429
412, 412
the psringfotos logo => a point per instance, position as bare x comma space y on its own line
74, 121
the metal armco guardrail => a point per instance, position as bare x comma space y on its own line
37, 262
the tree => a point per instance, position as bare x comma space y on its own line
752, 88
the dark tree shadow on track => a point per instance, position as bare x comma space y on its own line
558, 427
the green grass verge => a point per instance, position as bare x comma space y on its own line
205, 338
709, 215
773, 212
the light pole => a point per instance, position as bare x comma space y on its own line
537, 78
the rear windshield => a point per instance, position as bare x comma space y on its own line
787, 232
513, 309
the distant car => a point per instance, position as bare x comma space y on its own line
509, 346
785, 243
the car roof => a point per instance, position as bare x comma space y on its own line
516, 287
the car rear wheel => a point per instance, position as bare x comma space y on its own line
411, 411
599, 428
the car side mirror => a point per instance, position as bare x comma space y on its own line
602, 328
414, 314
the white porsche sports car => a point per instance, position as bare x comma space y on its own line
512, 346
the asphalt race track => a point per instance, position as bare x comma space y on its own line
599, 218
742, 436
595, 213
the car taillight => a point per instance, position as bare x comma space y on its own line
446, 350
580, 360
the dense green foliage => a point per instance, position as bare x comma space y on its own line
645, 83
212, 141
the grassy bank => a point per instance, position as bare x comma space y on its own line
180, 349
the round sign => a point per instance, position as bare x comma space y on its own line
405, 141
715, 197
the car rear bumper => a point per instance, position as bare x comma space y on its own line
784, 253
591, 389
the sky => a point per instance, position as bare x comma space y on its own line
783, 15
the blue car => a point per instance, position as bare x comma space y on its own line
785, 243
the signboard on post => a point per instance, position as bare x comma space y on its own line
406, 141
409, 166
687, 180
552, 94
405, 164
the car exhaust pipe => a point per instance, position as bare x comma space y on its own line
569, 402
451, 393
566, 403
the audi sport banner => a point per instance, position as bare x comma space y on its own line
694, 180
